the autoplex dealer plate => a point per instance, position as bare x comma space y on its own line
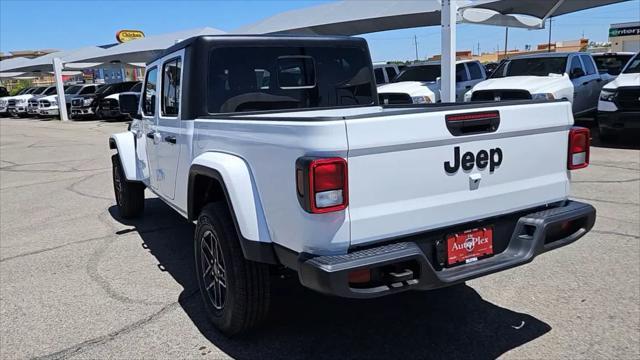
469, 245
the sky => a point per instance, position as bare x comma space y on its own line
65, 25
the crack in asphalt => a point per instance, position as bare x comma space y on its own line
40, 251
606, 232
85, 345
613, 166
72, 187
605, 181
607, 201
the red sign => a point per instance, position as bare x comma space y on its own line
469, 245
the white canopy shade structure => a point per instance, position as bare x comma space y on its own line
45, 62
354, 17
10, 64
10, 75
142, 50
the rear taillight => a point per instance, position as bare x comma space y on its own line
579, 142
322, 184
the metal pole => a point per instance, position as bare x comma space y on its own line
549, 43
415, 41
62, 105
506, 40
448, 43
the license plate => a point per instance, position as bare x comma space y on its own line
469, 245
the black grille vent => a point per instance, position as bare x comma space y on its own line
394, 98
498, 95
628, 98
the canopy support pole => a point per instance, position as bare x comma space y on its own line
448, 17
62, 104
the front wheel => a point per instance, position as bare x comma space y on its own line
235, 291
129, 194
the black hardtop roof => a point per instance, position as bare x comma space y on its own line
272, 39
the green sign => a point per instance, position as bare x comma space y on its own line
624, 31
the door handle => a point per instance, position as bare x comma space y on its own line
170, 139
468, 87
586, 83
151, 135
599, 80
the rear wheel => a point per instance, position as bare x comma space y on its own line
129, 194
235, 291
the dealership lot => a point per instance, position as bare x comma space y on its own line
78, 282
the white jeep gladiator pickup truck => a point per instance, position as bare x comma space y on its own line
277, 147
619, 104
567, 76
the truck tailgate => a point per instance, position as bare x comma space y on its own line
399, 183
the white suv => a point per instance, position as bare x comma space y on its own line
420, 84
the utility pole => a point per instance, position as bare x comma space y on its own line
506, 40
549, 43
415, 42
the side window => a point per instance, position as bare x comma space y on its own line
391, 73
171, 87
86, 90
474, 70
588, 64
150, 84
461, 73
379, 75
576, 69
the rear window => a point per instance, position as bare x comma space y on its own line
274, 78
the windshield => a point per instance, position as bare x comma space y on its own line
103, 89
50, 91
419, 73
72, 90
542, 66
611, 63
39, 91
633, 67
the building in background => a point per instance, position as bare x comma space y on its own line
625, 37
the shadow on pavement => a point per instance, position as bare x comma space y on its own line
452, 323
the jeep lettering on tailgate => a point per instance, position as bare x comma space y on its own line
493, 158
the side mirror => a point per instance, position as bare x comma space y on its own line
576, 73
129, 105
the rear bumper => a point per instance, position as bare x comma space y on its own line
533, 235
619, 119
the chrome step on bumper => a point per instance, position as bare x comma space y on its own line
534, 234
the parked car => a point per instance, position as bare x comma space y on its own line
305, 171
545, 76
611, 64
420, 84
110, 105
619, 104
48, 106
18, 105
89, 105
385, 72
32, 103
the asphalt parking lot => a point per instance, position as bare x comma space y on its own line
78, 282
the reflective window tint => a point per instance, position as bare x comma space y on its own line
149, 104
171, 87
